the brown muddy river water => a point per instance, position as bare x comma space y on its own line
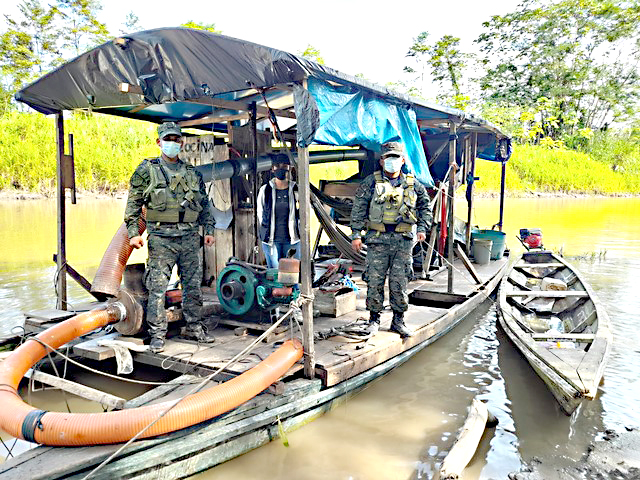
402, 425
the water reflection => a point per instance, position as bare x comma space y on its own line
402, 425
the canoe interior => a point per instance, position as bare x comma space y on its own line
569, 319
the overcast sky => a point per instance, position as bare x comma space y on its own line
368, 37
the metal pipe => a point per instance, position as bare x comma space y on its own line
243, 166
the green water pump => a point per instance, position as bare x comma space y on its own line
244, 288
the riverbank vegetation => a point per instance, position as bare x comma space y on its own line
559, 77
107, 150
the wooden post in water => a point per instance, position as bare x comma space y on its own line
503, 180
452, 194
470, 185
61, 270
305, 261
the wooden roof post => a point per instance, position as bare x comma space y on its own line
61, 259
452, 193
470, 185
503, 180
306, 275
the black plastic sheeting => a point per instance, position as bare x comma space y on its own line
169, 65
176, 66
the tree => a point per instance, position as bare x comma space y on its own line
581, 56
209, 27
446, 63
131, 24
28, 46
418, 52
81, 28
312, 53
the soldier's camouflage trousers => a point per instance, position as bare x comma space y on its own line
164, 253
391, 252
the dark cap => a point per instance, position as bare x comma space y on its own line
279, 159
168, 128
392, 148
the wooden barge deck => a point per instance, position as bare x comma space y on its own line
342, 368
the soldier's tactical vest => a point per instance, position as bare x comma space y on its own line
172, 193
393, 205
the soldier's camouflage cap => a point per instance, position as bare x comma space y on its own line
168, 128
392, 148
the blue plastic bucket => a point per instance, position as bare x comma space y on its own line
499, 240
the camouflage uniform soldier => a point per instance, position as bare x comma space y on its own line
388, 203
177, 204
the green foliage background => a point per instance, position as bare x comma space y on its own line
107, 150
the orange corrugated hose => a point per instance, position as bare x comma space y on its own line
106, 282
73, 429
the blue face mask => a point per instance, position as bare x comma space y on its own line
170, 149
392, 164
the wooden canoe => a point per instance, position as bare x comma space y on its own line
554, 318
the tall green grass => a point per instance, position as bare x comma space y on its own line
107, 150
558, 170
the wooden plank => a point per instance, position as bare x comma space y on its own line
77, 389
539, 265
73, 273
235, 105
48, 315
219, 118
221, 197
561, 337
443, 297
424, 336
467, 263
547, 293
328, 303
90, 348
306, 275
257, 328
158, 392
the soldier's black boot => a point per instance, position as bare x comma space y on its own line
156, 345
198, 332
398, 326
374, 323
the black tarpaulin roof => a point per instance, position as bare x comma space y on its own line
202, 79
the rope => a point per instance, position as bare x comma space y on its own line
9, 450
294, 305
356, 331
93, 370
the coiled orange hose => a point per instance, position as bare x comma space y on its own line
74, 429
106, 282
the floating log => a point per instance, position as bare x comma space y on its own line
467, 442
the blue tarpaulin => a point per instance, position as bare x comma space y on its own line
349, 116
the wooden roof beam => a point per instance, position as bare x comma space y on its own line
235, 105
214, 119
216, 102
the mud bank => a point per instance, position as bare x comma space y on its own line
614, 455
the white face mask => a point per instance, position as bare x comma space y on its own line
392, 164
170, 149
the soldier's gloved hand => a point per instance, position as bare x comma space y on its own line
421, 236
136, 242
209, 240
356, 244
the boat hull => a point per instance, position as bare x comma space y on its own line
570, 356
